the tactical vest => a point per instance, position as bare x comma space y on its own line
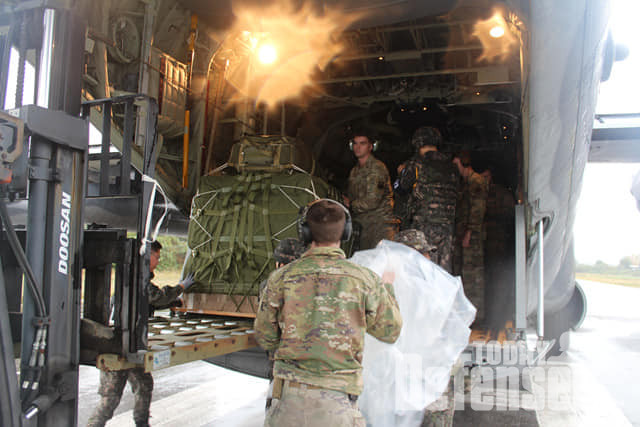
435, 192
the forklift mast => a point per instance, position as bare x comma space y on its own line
45, 158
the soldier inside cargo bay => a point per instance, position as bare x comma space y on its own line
433, 181
476, 178
369, 194
416, 239
112, 382
313, 315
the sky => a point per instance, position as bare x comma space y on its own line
607, 226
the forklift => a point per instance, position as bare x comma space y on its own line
47, 160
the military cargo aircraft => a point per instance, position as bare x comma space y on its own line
513, 81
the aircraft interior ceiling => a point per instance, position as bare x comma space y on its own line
427, 63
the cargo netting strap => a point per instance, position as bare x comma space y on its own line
241, 218
147, 228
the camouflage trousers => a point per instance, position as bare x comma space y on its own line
112, 385
374, 229
473, 273
457, 250
441, 236
305, 407
401, 210
440, 412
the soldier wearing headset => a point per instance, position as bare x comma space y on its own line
369, 194
313, 315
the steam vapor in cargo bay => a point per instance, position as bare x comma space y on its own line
286, 45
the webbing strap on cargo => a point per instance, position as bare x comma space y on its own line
232, 210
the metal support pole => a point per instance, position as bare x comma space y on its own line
521, 269
245, 109
283, 121
540, 328
145, 71
185, 150
46, 58
41, 153
220, 77
265, 120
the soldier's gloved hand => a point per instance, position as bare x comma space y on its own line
187, 281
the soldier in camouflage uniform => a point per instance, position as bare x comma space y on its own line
402, 196
462, 211
433, 180
313, 315
416, 239
287, 250
477, 188
112, 383
369, 195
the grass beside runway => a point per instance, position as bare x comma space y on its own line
622, 280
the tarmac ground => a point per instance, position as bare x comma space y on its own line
592, 384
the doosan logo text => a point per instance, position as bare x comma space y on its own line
63, 252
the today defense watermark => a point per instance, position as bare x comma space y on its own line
496, 377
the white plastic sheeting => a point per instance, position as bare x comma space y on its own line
402, 379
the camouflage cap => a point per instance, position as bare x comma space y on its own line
426, 135
415, 239
289, 249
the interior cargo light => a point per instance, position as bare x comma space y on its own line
267, 54
496, 32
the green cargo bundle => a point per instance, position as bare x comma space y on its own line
237, 220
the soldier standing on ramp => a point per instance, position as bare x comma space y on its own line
433, 180
476, 178
313, 315
112, 383
369, 194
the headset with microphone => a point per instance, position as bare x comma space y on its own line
304, 231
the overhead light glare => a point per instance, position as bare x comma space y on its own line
267, 54
496, 32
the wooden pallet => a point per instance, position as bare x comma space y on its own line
174, 341
220, 304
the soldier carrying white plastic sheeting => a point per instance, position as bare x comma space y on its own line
402, 379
